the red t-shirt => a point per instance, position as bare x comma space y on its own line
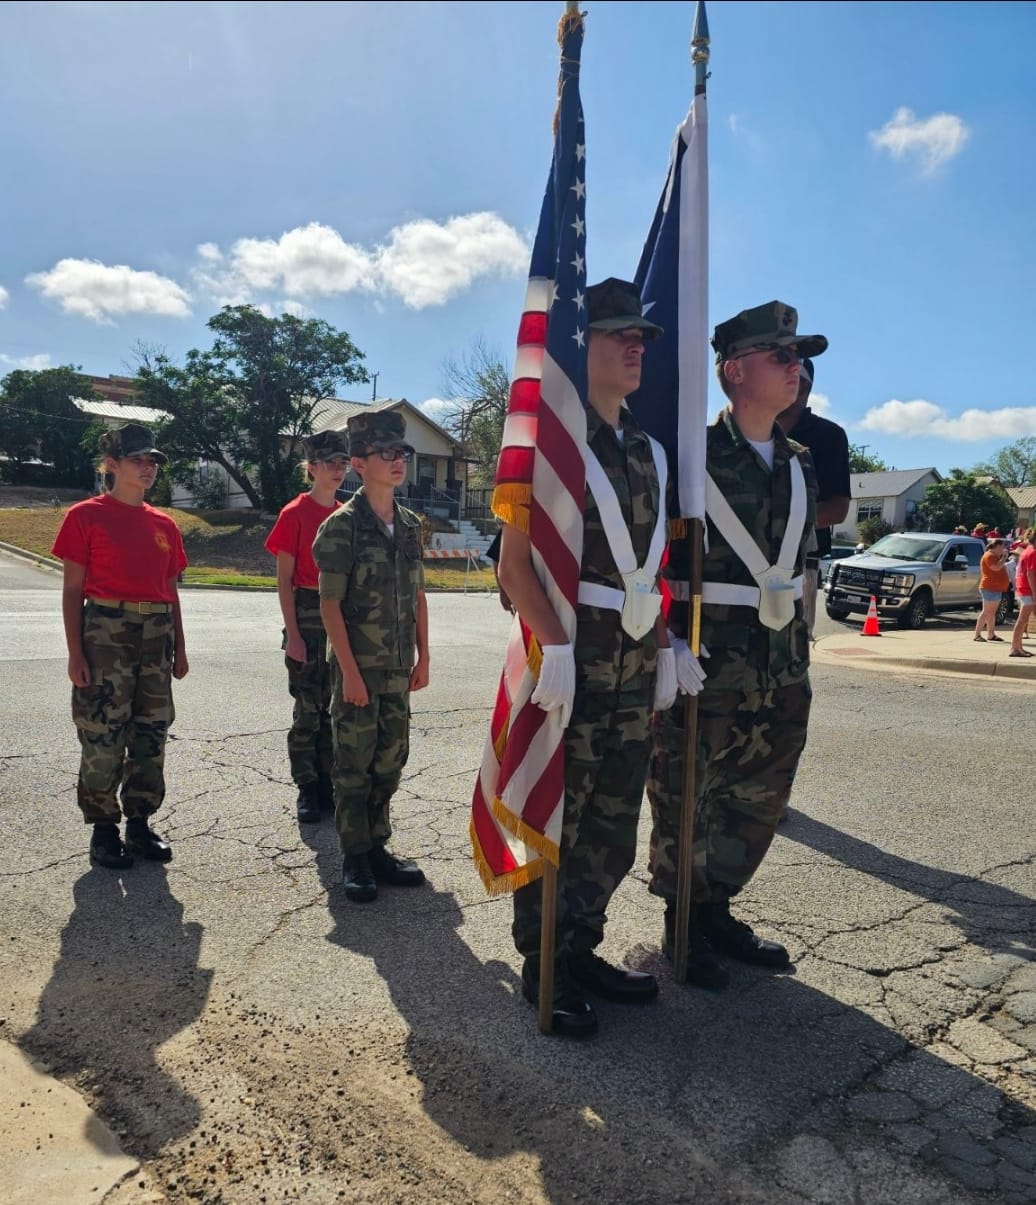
131, 553
294, 533
1026, 565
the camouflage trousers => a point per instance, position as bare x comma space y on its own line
751, 733
309, 683
607, 746
123, 716
371, 746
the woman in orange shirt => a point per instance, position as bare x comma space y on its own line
994, 580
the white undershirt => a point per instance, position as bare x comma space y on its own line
765, 449
391, 529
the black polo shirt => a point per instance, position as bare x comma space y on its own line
829, 446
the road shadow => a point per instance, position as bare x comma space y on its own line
693, 1097
988, 915
126, 980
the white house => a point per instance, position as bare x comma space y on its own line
895, 496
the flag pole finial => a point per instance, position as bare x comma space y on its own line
700, 47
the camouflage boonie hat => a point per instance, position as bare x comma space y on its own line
131, 439
377, 429
614, 305
761, 329
325, 445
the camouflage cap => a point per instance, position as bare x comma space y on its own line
763, 327
374, 429
325, 445
614, 305
131, 439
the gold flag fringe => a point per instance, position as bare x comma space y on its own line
511, 504
501, 884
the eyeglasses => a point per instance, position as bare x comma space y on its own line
392, 454
780, 355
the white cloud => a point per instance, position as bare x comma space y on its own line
4, 295
33, 363
820, 403
920, 418
437, 408
934, 140
423, 262
426, 263
101, 292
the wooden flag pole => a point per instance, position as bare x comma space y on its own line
548, 921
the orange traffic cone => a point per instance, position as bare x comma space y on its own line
870, 624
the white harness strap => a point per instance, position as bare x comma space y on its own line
776, 608
639, 597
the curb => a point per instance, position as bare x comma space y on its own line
43, 562
936, 665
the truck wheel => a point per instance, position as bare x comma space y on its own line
916, 611
1005, 609
837, 612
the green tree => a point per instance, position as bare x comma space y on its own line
247, 402
871, 530
1012, 466
39, 421
859, 462
961, 500
477, 385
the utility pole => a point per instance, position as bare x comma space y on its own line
374, 386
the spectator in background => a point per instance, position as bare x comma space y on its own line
980, 531
993, 581
829, 447
493, 554
1025, 592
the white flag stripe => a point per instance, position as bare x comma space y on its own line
693, 308
528, 361
520, 430
539, 294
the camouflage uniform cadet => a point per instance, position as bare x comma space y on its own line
125, 641
309, 677
608, 739
608, 678
754, 707
376, 578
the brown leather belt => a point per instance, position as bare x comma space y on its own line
141, 608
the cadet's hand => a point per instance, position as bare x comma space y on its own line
180, 666
665, 680
690, 674
557, 685
295, 648
419, 674
505, 602
354, 689
79, 670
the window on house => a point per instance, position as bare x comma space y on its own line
869, 510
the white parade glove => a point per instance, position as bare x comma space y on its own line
557, 684
690, 674
665, 680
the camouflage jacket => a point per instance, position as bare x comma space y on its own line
376, 577
761, 499
606, 657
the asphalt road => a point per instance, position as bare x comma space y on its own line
251, 1036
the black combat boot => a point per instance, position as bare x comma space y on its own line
106, 848
326, 793
388, 868
704, 969
571, 1015
360, 884
737, 940
307, 807
143, 841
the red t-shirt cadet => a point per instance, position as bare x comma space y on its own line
131, 553
294, 533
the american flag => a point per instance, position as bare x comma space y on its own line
672, 401
518, 803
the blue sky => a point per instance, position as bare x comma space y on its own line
381, 166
